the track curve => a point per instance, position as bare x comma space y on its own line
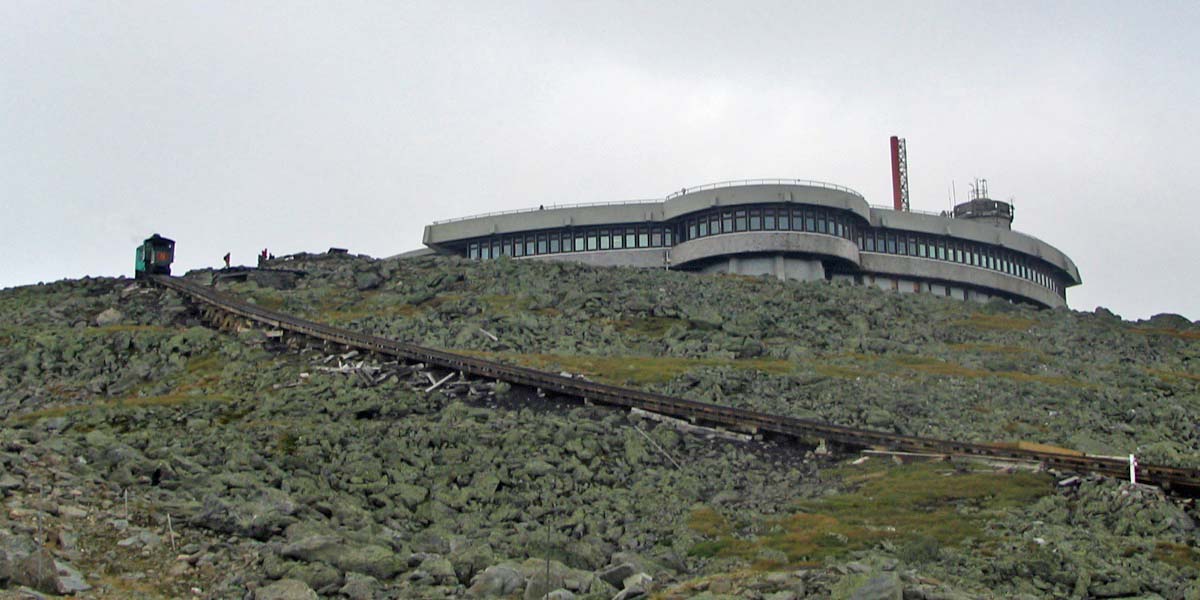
1174, 479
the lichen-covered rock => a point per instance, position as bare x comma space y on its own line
882, 586
285, 589
496, 582
360, 587
110, 316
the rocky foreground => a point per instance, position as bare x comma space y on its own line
144, 455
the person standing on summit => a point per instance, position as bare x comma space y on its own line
226, 260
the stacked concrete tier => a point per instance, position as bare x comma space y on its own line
786, 228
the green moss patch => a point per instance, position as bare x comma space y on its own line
112, 329
1172, 376
1183, 334
650, 327
1179, 555
918, 507
901, 365
173, 399
986, 322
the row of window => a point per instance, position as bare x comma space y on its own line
769, 218
954, 250
806, 219
574, 240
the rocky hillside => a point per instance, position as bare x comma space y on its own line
145, 455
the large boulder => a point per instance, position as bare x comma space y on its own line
109, 316
285, 589
543, 577
370, 559
367, 281
882, 586
497, 581
266, 516
24, 563
360, 587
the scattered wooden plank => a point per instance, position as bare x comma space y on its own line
684, 426
660, 448
438, 384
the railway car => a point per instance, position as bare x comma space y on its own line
154, 256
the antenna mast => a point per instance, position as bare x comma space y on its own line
899, 174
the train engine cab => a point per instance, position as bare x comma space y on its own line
154, 257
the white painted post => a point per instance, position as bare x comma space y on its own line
1132, 469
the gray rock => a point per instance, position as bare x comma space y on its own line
410, 495
704, 315
634, 586
9, 482
374, 560
110, 316
616, 574
24, 564
630, 593
559, 594
318, 575
72, 512
285, 589
367, 281
495, 582
360, 587
371, 559
440, 570
641, 580
314, 548
470, 560
885, 586
262, 518
144, 537
1116, 589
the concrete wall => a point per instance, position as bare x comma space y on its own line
778, 266
937, 270
758, 242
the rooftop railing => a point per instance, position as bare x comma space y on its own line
932, 213
741, 182
544, 207
708, 186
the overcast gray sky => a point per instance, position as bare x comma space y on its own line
299, 126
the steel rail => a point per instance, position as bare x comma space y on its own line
1178, 480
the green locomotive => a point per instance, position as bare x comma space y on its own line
154, 257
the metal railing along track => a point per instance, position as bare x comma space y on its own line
1178, 480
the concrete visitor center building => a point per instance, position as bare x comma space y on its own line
787, 228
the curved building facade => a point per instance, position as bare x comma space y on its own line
791, 229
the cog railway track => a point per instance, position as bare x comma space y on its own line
1176, 480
